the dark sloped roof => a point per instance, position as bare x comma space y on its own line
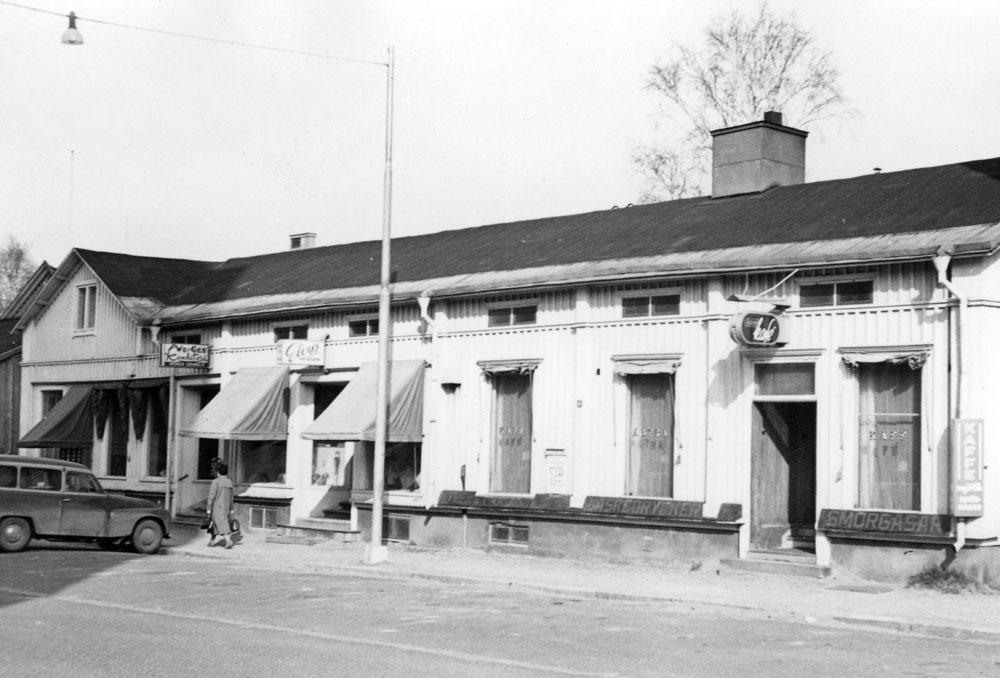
879, 204
151, 277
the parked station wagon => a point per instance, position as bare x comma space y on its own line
63, 501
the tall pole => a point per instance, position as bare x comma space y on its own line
376, 552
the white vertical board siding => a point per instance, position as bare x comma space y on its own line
54, 334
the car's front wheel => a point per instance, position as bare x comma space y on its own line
147, 536
15, 533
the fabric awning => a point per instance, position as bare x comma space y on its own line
351, 416
69, 424
915, 358
645, 365
252, 406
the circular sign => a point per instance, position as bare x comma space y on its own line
755, 329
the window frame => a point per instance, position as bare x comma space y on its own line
290, 330
649, 296
510, 310
86, 308
836, 282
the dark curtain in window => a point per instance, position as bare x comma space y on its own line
511, 468
889, 440
651, 435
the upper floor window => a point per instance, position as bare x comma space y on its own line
185, 339
505, 316
49, 400
291, 332
363, 327
86, 307
658, 304
836, 293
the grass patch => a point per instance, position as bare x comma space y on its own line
934, 578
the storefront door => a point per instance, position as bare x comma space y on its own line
783, 475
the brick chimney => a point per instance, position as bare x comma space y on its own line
301, 241
754, 157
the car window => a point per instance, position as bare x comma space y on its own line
41, 478
8, 476
81, 482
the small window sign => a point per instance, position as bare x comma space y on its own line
758, 329
183, 355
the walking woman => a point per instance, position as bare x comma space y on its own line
220, 505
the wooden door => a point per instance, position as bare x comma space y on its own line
783, 473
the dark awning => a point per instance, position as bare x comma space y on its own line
252, 406
69, 424
351, 416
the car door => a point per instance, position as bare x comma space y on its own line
84, 506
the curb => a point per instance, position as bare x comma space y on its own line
883, 624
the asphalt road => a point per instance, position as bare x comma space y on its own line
77, 611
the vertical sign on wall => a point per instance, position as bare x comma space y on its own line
967, 474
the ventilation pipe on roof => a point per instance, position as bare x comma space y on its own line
942, 260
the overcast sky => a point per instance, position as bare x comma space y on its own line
154, 144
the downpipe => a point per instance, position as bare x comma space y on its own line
942, 260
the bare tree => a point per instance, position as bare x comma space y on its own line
748, 65
16, 267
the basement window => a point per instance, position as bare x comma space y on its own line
509, 535
263, 518
836, 293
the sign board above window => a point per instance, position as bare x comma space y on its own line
758, 330
301, 352
183, 355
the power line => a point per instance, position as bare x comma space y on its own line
218, 41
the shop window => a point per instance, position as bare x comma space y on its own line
402, 466
889, 436
363, 327
86, 307
260, 461
837, 293
79, 455
642, 307
507, 534
506, 316
511, 464
208, 448
651, 435
291, 332
49, 400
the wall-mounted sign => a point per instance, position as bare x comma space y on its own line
967, 475
301, 352
757, 329
885, 522
183, 355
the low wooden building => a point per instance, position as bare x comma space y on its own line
781, 369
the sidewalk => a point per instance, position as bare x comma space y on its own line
829, 601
